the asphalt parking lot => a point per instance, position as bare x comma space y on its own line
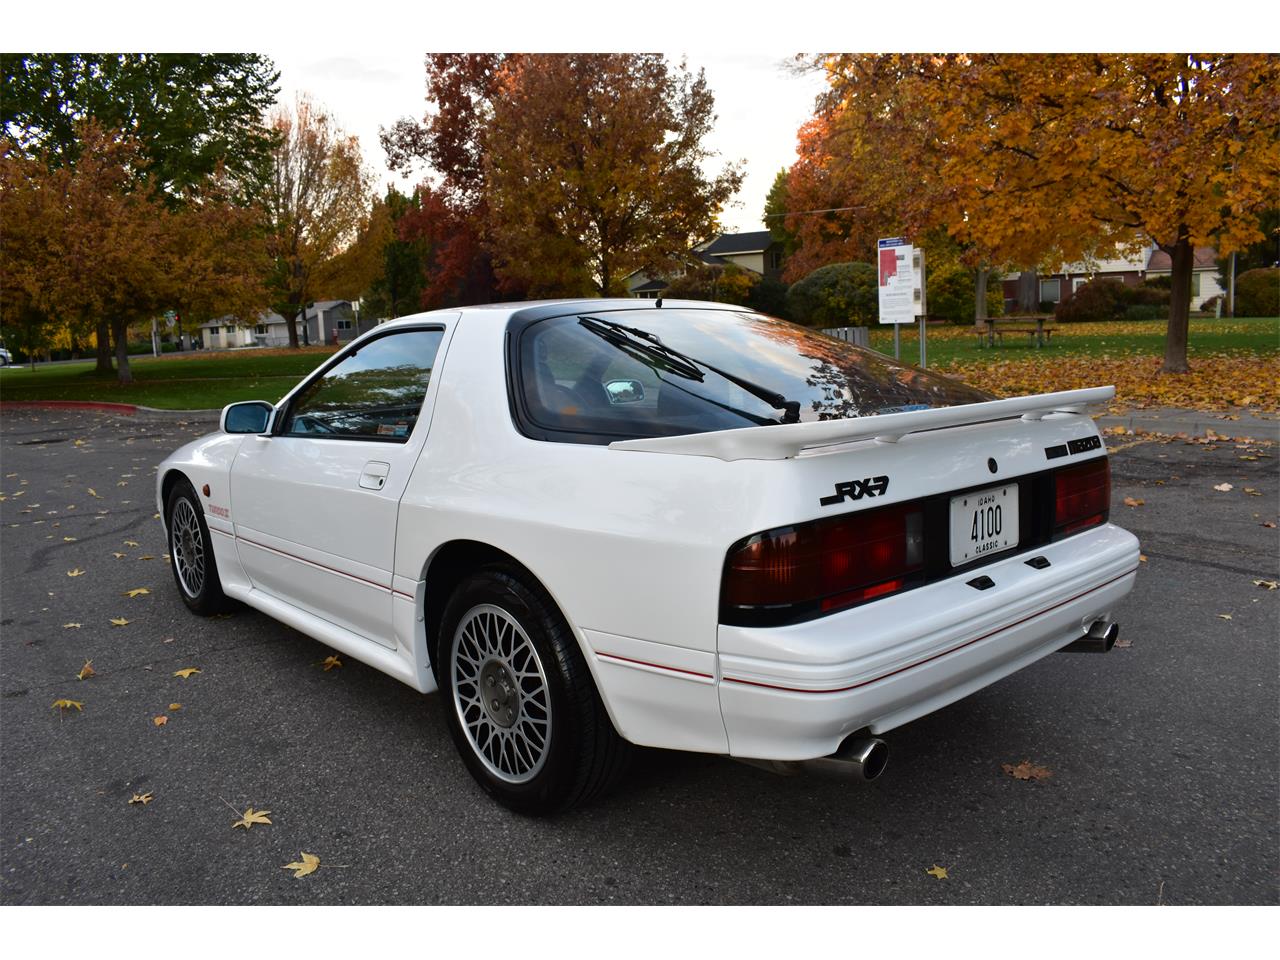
1164, 770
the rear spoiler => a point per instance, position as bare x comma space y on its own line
778, 442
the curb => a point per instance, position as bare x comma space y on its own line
120, 409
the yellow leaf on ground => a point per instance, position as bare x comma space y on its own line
136, 592
1224, 616
142, 798
330, 662
71, 626
1267, 584
1133, 502
77, 572
1249, 490
1223, 487
68, 539
146, 557
308, 865
86, 671
1142, 558
160, 721
1026, 770
68, 704
175, 706
119, 622
118, 556
131, 543
250, 817
938, 872
186, 672
94, 493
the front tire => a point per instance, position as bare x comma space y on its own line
191, 553
520, 703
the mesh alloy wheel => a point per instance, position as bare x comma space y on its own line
186, 546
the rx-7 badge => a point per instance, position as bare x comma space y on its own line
857, 489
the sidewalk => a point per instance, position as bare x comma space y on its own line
1194, 423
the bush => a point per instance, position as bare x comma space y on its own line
951, 291
837, 295
769, 296
1143, 311
727, 284
1258, 293
1096, 300
1162, 282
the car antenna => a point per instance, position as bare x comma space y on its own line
658, 305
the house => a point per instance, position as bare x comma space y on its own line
1130, 270
327, 321
756, 251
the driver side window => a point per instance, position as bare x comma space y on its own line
375, 393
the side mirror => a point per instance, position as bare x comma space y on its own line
252, 416
624, 391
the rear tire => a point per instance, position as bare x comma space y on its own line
191, 559
520, 702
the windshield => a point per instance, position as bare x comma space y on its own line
604, 388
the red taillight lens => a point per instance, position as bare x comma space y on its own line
1082, 496
823, 565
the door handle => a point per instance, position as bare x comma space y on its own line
374, 475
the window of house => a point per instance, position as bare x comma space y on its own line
374, 394
1050, 290
1195, 284
344, 324
229, 330
775, 259
260, 329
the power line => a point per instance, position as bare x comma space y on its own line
797, 213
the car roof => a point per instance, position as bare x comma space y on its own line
542, 309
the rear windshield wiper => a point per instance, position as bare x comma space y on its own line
649, 343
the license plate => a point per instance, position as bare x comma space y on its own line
984, 522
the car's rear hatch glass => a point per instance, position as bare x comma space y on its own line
582, 382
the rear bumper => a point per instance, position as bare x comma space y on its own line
793, 693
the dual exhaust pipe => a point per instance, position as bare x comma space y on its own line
1099, 638
864, 758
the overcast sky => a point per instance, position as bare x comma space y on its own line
759, 107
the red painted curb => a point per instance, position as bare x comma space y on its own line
126, 408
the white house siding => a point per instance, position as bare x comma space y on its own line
748, 261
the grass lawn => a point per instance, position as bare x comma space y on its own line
1236, 362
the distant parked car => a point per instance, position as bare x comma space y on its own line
682, 525
6, 357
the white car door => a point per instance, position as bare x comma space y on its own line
314, 503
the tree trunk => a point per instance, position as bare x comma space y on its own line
1175, 341
981, 275
291, 322
1029, 291
103, 335
120, 328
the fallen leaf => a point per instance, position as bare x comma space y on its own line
1249, 490
1223, 487
186, 672
1026, 770
1133, 502
94, 493
1269, 524
310, 862
1142, 558
77, 572
71, 626
1224, 616
68, 704
1124, 643
68, 539
136, 592
117, 555
120, 622
86, 671
142, 798
146, 557
252, 816
330, 662
934, 871
160, 721
131, 543
1267, 584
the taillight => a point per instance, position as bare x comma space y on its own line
1082, 496
802, 571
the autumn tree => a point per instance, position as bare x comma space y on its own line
593, 168
396, 288
317, 202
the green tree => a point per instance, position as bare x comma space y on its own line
193, 114
776, 207
397, 289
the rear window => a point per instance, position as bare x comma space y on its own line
582, 378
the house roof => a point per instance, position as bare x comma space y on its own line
757, 241
1205, 258
651, 285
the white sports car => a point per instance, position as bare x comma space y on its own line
685, 525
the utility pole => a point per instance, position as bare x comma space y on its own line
1231, 287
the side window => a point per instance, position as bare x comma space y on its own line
373, 394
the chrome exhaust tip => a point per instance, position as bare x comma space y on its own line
1100, 638
858, 758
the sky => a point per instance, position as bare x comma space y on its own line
759, 107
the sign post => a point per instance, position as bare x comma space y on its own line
900, 267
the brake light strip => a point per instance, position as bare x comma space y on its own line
920, 663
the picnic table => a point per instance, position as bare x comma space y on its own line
1031, 325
